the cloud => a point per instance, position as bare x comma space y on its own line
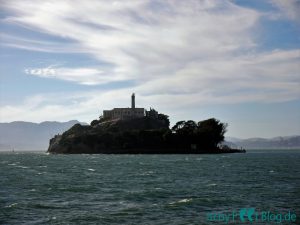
269, 77
86, 76
289, 9
266, 77
192, 52
138, 38
40, 45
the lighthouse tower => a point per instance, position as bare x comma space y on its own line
132, 101
124, 113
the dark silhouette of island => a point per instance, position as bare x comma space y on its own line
138, 131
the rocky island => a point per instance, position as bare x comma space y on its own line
138, 131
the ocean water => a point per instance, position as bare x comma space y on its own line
36, 188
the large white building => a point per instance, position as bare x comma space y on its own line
125, 113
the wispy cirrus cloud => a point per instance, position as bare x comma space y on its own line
256, 79
144, 38
82, 75
192, 52
40, 45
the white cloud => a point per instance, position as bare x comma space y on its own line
288, 8
86, 76
266, 77
143, 38
271, 77
192, 52
40, 45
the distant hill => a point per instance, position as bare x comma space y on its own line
289, 142
20, 135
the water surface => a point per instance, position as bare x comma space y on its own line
36, 188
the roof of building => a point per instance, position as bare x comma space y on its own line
129, 108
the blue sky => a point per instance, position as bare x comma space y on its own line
237, 60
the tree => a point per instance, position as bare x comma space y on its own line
178, 126
95, 122
164, 118
211, 132
189, 126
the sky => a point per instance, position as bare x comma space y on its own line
235, 60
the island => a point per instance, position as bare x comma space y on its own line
139, 131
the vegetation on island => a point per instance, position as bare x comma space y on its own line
142, 135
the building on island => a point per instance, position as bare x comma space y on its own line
128, 113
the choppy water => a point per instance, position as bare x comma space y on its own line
36, 188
